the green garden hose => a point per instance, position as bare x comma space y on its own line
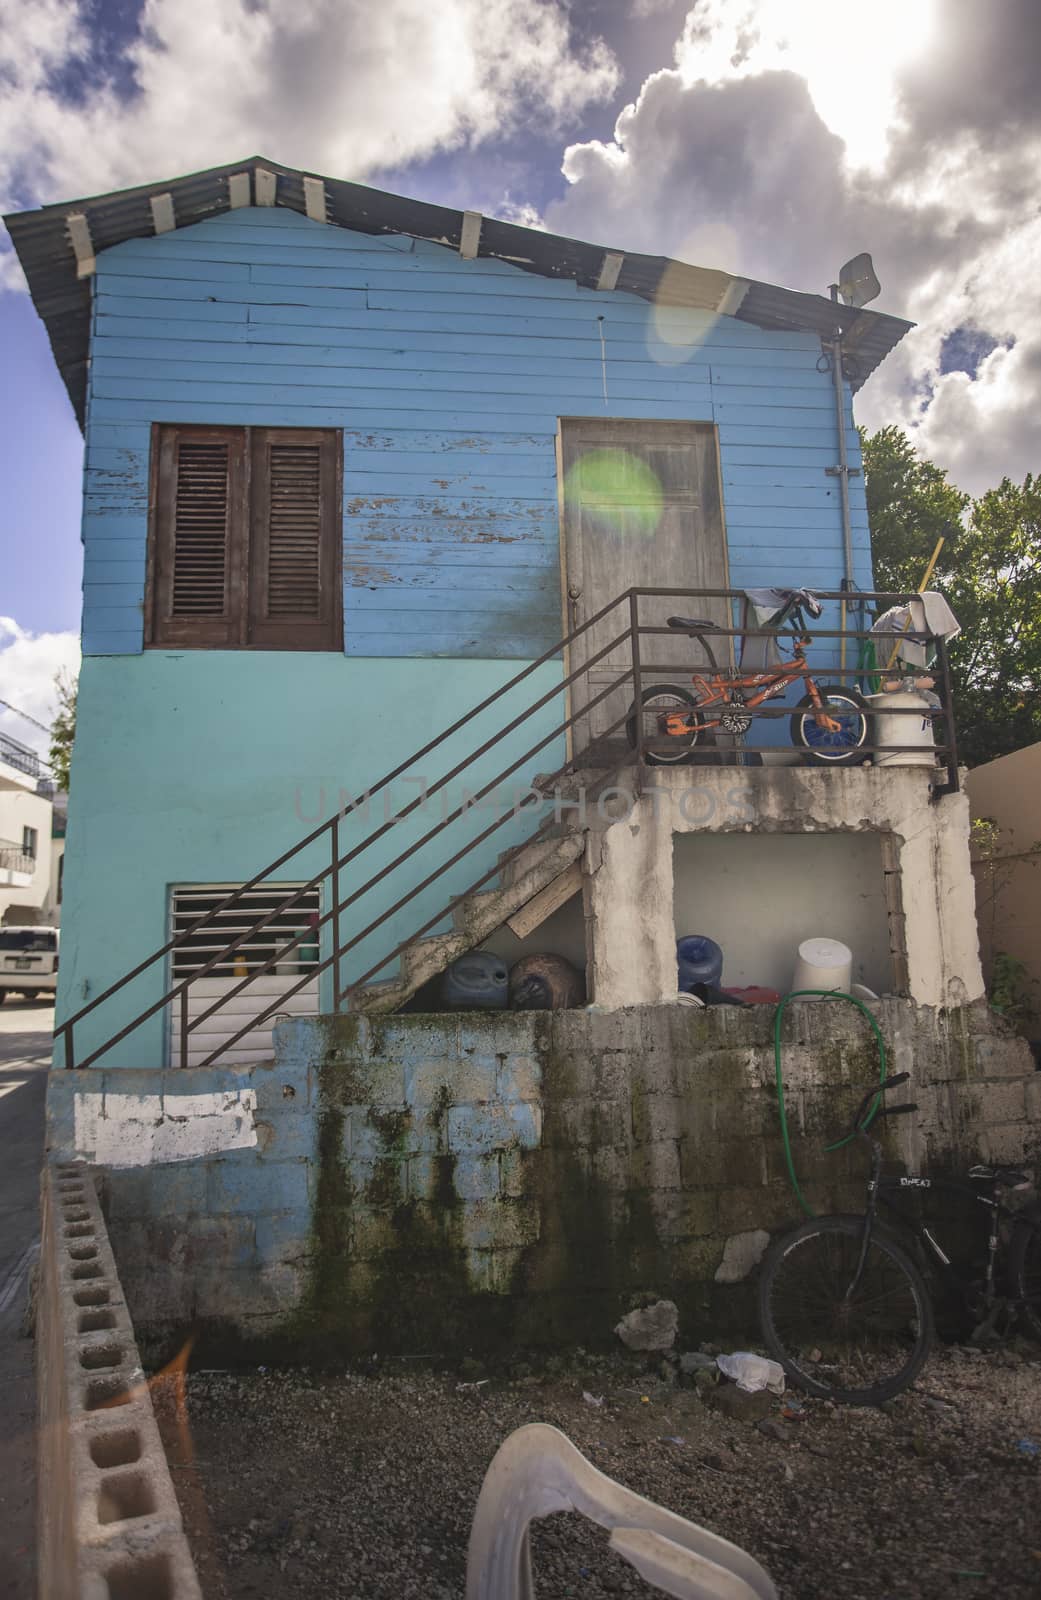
819, 994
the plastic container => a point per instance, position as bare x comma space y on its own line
477, 981
902, 729
823, 964
545, 983
699, 960
755, 994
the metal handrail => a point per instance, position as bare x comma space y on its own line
632, 631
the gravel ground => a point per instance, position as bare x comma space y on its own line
297, 1483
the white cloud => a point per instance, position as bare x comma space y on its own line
738, 157
29, 663
344, 86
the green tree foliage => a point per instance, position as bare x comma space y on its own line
990, 571
995, 590
910, 505
63, 729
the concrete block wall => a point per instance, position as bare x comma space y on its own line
108, 1523
426, 1183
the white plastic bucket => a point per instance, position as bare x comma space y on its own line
823, 964
903, 729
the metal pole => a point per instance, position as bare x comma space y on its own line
336, 911
634, 630
842, 472
184, 1026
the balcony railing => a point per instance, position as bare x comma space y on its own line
14, 859
20, 756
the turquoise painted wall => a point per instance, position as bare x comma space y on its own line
448, 378
203, 766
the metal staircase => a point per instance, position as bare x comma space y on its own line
352, 871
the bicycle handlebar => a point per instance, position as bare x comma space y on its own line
859, 1125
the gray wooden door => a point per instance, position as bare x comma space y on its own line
642, 508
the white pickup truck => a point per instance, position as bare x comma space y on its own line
28, 962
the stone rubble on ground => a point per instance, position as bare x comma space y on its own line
362, 1486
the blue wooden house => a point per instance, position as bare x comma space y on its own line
355, 463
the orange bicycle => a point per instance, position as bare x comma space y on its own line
831, 723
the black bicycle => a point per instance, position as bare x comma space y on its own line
846, 1301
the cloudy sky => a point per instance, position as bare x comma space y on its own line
770, 137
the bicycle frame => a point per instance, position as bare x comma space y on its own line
718, 689
886, 1189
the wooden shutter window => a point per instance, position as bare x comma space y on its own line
245, 540
295, 599
199, 522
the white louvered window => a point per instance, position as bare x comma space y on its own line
259, 945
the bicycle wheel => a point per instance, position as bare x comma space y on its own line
1024, 1265
661, 748
860, 1348
849, 710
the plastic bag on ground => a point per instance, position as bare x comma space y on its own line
751, 1372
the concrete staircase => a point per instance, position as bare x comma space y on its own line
524, 873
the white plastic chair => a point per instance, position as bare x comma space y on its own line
538, 1471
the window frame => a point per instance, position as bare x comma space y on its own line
245, 584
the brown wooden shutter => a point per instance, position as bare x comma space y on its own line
198, 539
295, 544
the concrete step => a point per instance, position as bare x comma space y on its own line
427, 957
475, 917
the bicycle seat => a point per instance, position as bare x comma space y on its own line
1009, 1177
693, 624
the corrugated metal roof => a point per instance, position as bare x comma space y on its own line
41, 239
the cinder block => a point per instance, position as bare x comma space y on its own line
361, 1080
585, 1124
1003, 1101
252, 1184
1003, 1058
283, 1235
1010, 1144
1033, 1100
284, 1090
655, 1165
493, 1127
371, 1132
689, 1215
500, 1224
765, 1206
109, 1505
517, 1078
493, 1271
658, 1116
476, 1177
381, 1181
611, 1164
517, 1170
711, 1162
431, 1177
450, 1081
287, 1138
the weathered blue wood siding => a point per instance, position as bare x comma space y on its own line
448, 378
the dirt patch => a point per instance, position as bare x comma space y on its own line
296, 1483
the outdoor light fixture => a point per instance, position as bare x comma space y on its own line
857, 283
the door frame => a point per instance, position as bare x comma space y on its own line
565, 609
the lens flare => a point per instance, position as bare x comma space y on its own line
617, 492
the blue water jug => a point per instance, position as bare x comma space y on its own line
478, 981
699, 960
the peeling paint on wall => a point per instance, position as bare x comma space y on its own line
139, 1130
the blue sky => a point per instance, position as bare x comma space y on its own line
773, 137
